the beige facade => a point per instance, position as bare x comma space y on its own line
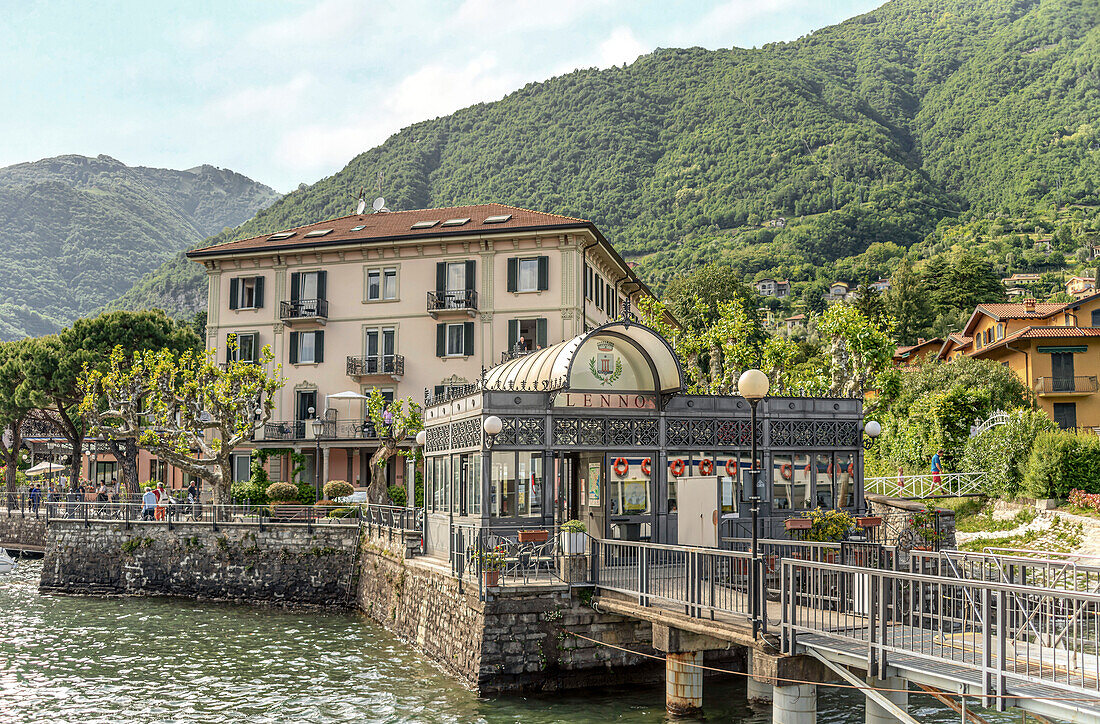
411, 311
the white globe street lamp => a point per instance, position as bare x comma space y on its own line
753, 385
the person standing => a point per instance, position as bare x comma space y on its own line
35, 497
148, 504
162, 502
937, 468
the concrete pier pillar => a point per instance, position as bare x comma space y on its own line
757, 691
875, 713
684, 683
795, 704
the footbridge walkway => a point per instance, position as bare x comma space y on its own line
1003, 629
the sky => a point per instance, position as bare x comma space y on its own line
287, 92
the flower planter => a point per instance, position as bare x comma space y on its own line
534, 536
492, 578
870, 521
798, 523
572, 542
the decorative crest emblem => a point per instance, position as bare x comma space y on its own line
605, 366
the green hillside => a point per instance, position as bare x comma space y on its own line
77, 232
871, 132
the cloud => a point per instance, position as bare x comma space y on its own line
324, 23
254, 101
514, 15
727, 21
434, 89
620, 47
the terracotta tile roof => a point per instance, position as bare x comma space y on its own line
1020, 311
795, 318
395, 225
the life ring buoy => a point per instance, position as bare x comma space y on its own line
677, 467
731, 467
786, 471
647, 466
621, 466
706, 466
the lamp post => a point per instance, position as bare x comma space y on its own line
753, 386
492, 426
318, 466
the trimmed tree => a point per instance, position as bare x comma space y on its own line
394, 421
17, 403
184, 408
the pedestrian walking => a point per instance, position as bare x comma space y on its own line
35, 497
937, 468
148, 504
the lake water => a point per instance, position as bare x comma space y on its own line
89, 660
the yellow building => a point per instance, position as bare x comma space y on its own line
1054, 348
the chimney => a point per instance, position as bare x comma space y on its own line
1029, 305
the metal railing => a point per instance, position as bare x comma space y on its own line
285, 430
393, 521
996, 629
451, 392
304, 309
387, 364
705, 582
1055, 385
459, 300
932, 485
174, 512
521, 554
509, 355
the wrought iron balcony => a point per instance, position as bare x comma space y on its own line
286, 430
464, 300
1079, 385
513, 354
387, 364
304, 309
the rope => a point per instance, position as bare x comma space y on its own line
1092, 699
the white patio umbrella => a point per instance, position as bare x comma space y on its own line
348, 396
44, 468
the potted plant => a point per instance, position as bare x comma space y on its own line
533, 536
572, 537
924, 524
797, 524
827, 526
279, 495
492, 561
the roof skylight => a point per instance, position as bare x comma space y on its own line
456, 222
359, 228
318, 232
280, 236
424, 224
497, 219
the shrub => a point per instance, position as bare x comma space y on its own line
338, 489
397, 494
1003, 451
250, 491
573, 526
828, 526
1062, 461
307, 494
1085, 501
282, 492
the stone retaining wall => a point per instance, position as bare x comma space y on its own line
519, 640
896, 512
17, 530
283, 564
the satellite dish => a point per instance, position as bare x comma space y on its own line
379, 204
361, 207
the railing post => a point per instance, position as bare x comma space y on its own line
643, 578
125, 514
987, 649
872, 626
85, 507
168, 514
309, 519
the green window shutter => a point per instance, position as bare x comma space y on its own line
319, 346
322, 279
544, 273
440, 276
228, 349
540, 331
294, 347
470, 271
295, 285
513, 334
441, 340
468, 338
259, 292
513, 274
234, 285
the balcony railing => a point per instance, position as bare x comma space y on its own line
1066, 385
462, 300
387, 364
304, 309
287, 430
513, 354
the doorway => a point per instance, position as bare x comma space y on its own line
629, 496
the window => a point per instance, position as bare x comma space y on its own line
306, 405
515, 485
246, 293
242, 467
307, 286
158, 471
1000, 330
1065, 415
791, 482
307, 347
381, 349
526, 335
529, 274
106, 472
454, 340
1096, 317
246, 349
381, 284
